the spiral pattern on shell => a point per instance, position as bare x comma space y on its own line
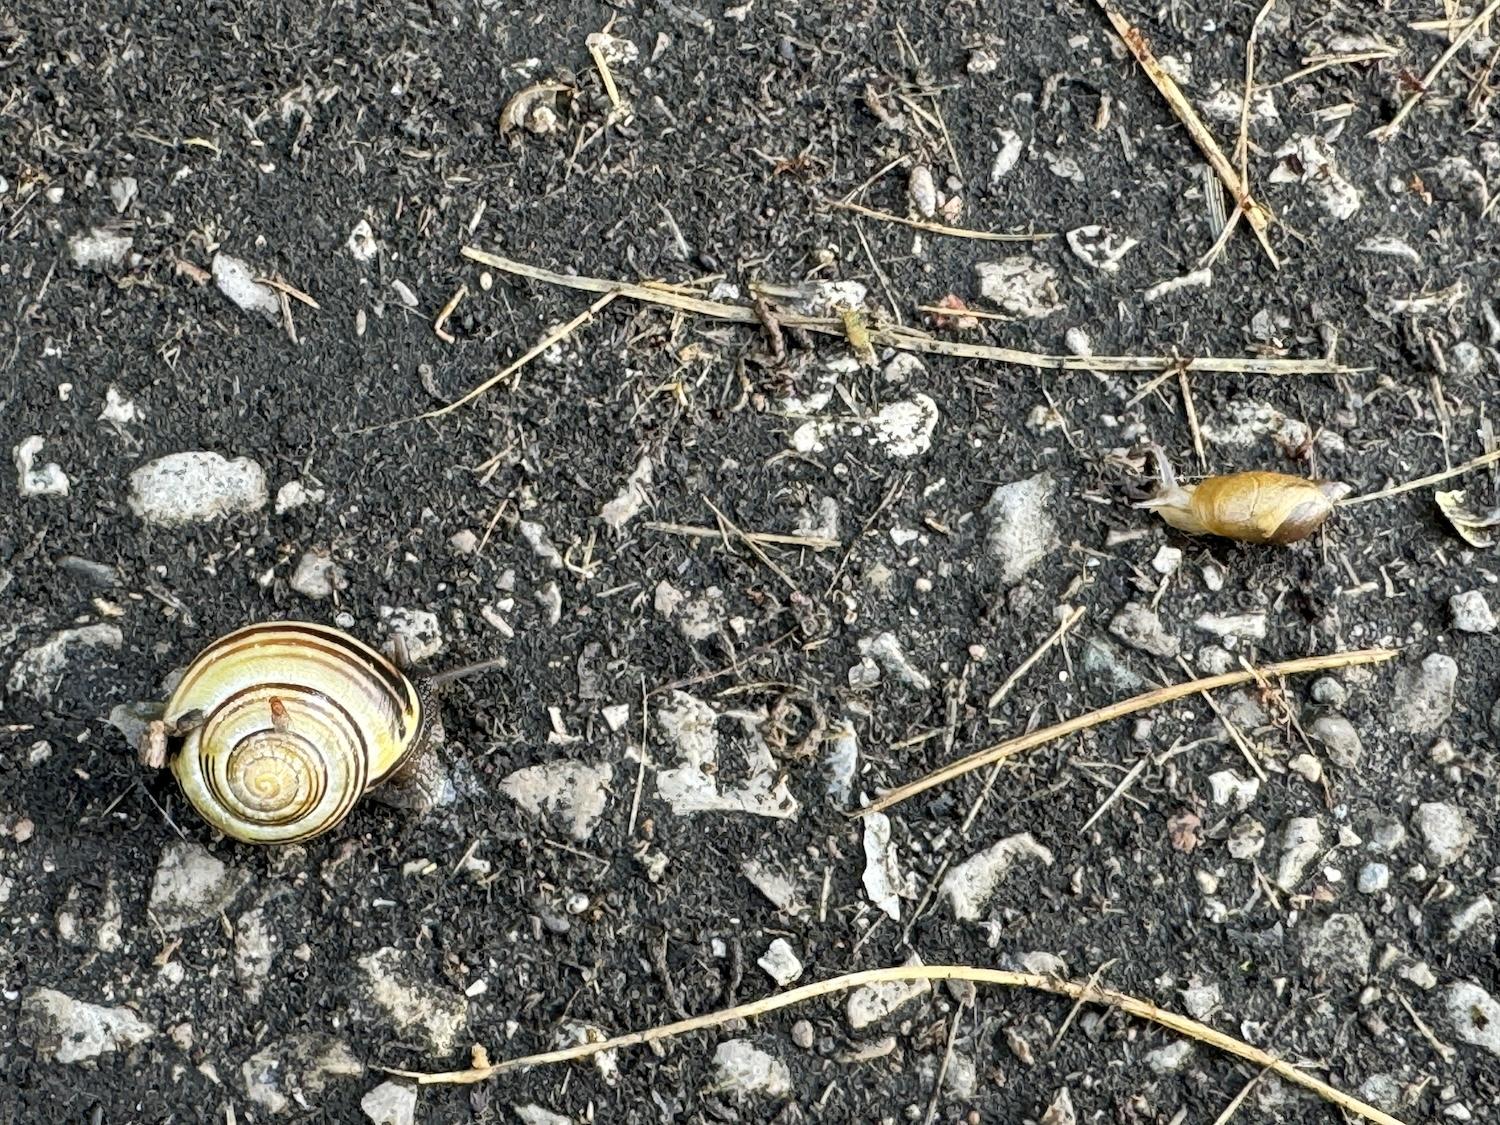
298, 721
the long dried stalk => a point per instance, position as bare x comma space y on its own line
1010, 748
1080, 991
907, 339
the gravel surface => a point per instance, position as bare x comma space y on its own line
224, 242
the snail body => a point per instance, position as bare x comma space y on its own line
1251, 507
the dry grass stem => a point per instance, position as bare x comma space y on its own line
1422, 482
937, 228
1259, 215
1073, 617
1315, 63
1386, 132
764, 538
446, 311
1239, 1099
1003, 978
908, 339
1011, 747
290, 290
560, 333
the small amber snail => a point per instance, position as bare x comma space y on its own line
276, 730
1252, 507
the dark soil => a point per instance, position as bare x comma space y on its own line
308, 121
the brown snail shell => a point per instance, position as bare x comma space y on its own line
1251, 507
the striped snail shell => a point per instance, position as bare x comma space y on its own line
1252, 507
284, 726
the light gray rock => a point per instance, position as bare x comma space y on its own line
1104, 662
317, 576
970, 885
33, 480
100, 249
1171, 1057
882, 877
1329, 691
1140, 628
192, 886
539, 1115
41, 666
1060, 1110
295, 1071
743, 1071
781, 963
390, 1103
1444, 830
1023, 527
1301, 841
1374, 878
417, 629
1475, 921
1474, 1015
1341, 945
65, 1030
1201, 1000
1338, 734
1241, 626
197, 486
841, 762
695, 785
254, 951
421, 1009
1020, 285
1471, 612
886, 651
1247, 838
870, 1003
1423, 695
1386, 835
236, 280
572, 794
122, 192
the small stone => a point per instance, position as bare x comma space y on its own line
1329, 692
1471, 613
1241, 626
1340, 945
970, 885
1247, 837
464, 542
1476, 920
122, 192
1140, 628
191, 887
1215, 660
413, 1004
631, 499
390, 1103
1386, 834
1011, 147
1342, 740
923, 191
1229, 788
317, 575
1020, 285
1306, 767
1444, 830
196, 487
1474, 1015
1105, 662
780, 962
41, 666
532, 1114
615, 715
236, 280
1060, 1110
1166, 560
361, 243
48, 480
886, 650
1424, 695
1374, 878
297, 1067
841, 762
294, 494
1201, 1000
1421, 975
254, 951
743, 1071
1022, 528
541, 545
1171, 1058
870, 1003
1300, 843
65, 1030
570, 793
100, 249
882, 877
417, 628
802, 1034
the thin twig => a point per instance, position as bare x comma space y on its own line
769, 538
1239, 1099
290, 290
755, 548
1259, 215
909, 339
640, 773
1230, 729
937, 228
446, 311
1094, 978
1422, 482
1315, 63
1011, 747
1142, 1009
1192, 417
1386, 132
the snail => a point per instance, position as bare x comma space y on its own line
1252, 507
277, 729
